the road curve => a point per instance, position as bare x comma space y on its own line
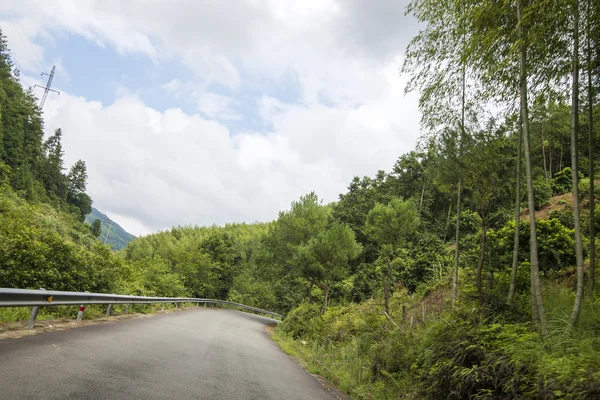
196, 354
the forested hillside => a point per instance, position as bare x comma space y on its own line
467, 270
111, 233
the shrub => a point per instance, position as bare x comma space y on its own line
302, 322
555, 244
584, 189
543, 192
561, 183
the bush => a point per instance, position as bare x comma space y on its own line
543, 192
561, 183
555, 244
584, 189
302, 322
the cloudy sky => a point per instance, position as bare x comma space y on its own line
213, 111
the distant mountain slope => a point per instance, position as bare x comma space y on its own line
112, 234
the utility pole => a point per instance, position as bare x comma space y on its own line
47, 87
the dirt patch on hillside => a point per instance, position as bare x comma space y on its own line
559, 203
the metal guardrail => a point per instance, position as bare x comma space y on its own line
51, 298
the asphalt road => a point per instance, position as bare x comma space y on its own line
196, 354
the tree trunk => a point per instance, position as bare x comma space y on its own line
574, 177
590, 90
458, 195
550, 159
537, 304
515, 261
422, 194
562, 150
481, 256
544, 154
325, 296
447, 221
386, 289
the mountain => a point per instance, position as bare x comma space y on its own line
112, 233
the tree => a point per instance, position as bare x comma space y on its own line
515, 260
332, 249
294, 228
51, 170
486, 169
574, 166
97, 227
536, 287
438, 62
391, 226
76, 185
590, 19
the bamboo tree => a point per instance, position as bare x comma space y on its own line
590, 110
537, 304
436, 59
574, 169
515, 261
459, 192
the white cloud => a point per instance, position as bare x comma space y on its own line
163, 169
157, 169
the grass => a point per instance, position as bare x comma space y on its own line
371, 357
92, 311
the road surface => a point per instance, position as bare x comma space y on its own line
208, 353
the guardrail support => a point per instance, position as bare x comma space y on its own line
176, 306
34, 312
163, 307
204, 304
80, 313
127, 308
109, 310
33, 316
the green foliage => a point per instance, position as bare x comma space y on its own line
112, 234
303, 322
153, 276
556, 243
392, 224
561, 183
584, 189
42, 247
543, 192
97, 228
456, 354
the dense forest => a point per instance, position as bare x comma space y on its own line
465, 271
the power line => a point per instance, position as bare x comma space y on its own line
31, 46
47, 87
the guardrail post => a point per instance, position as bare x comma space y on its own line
80, 313
163, 307
176, 306
204, 304
109, 310
34, 312
33, 316
127, 308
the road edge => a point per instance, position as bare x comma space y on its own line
335, 391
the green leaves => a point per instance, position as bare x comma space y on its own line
394, 223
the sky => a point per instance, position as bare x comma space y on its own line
202, 112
